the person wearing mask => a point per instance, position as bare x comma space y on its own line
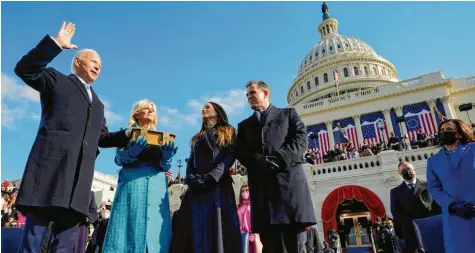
139, 221
214, 219
334, 240
326, 248
389, 242
100, 229
450, 179
410, 200
271, 144
250, 241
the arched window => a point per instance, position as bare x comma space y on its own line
345, 72
331, 48
308, 85
316, 54
301, 89
296, 93
365, 70
316, 81
357, 72
338, 46
323, 51
310, 58
346, 45
325, 78
375, 71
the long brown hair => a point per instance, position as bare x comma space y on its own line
224, 133
463, 129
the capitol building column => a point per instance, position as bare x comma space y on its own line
432, 104
448, 107
330, 133
402, 125
389, 122
357, 120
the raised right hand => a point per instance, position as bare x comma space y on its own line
65, 34
135, 147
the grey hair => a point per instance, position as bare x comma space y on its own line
79, 55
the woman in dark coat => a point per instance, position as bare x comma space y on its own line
214, 219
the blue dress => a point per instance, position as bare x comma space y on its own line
451, 177
140, 220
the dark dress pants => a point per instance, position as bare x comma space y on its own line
50, 230
284, 239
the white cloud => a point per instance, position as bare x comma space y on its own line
233, 102
13, 91
111, 117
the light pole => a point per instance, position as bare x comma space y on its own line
179, 162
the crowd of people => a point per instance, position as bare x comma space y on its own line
273, 211
347, 151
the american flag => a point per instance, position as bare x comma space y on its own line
336, 75
370, 128
418, 116
321, 144
169, 174
346, 134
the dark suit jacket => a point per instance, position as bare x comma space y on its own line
283, 197
60, 167
406, 206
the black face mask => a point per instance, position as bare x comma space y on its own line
447, 138
407, 174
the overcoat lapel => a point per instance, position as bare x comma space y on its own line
81, 87
273, 111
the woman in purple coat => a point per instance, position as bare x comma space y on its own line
450, 178
214, 219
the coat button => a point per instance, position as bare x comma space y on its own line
88, 124
85, 143
90, 108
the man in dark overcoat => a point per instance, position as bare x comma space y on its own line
271, 144
54, 191
410, 200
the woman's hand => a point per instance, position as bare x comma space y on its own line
135, 147
168, 151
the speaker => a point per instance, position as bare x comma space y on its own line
466, 107
400, 119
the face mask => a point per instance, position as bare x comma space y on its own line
245, 195
407, 174
105, 215
447, 138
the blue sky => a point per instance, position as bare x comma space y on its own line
182, 54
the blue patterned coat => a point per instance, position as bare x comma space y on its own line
447, 182
140, 220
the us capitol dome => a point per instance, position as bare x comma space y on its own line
358, 65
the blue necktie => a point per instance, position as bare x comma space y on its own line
89, 93
412, 186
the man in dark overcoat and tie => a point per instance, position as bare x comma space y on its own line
410, 200
271, 144
56, 183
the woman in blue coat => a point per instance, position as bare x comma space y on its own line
450, 180
140, 220
214, 219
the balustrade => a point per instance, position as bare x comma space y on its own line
369, 163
